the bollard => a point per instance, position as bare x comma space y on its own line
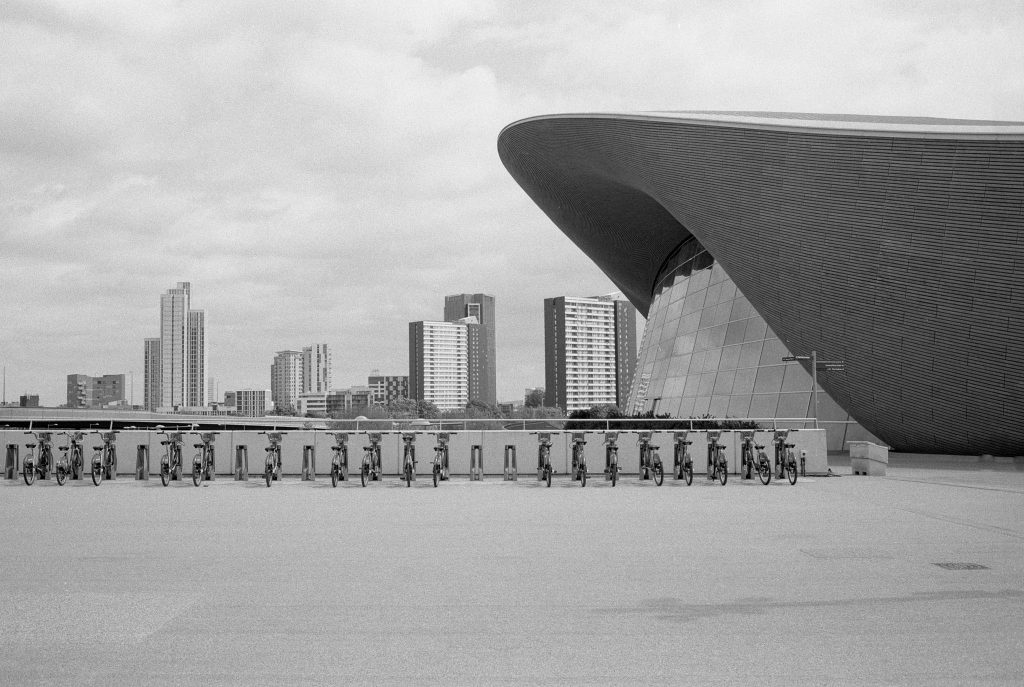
511, 471
308, 463
142, 462
11, 467
241, 463
111, 471
803, 463
476, 463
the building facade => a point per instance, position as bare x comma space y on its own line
196, 369
386, 389
481, 344
583, 363
151, 374
439, 363
183, 353
889, 244
286, 380
348, 402
316, 369
249, 402
85, 391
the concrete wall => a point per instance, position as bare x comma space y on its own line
460, 445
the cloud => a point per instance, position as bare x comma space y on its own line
327, 171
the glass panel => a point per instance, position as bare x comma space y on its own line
734, 333
679, 289
675, 309
714, 293
742, 309
678, 366
711, 359
750, 353
685, 407
707, 384
723, 312
673, 388
703, 340
700, 405
739, 406
723, 383
718, 274
730, 357
744, 383
773, 352
668, 332
697, 362
763, 406
756, 328
794, 405
688, 324
719, 406
694, 301
728, 290
769, 379
717, 339
707, 317
797, 379
700, 280
692, 384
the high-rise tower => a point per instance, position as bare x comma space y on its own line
483, 366
182, 350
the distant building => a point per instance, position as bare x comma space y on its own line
95, 392
249, 402
387, 388
355, 400
182, 349
286, 380
589, 351
439, 362
316, 369
151, 375
312, 403
506, 407
28, 401
195, 370
482, 371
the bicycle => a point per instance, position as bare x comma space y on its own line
203, 461
650, 461
718, 466
440, 465
272, 468
38, 467
409, 458
579, 458
611, 457
761, 462
74, 464
682, 462
544, 469
371, 469
104, 458
170, 463
339, 459
784, 457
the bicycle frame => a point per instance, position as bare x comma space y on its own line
611, 456
682, 462
579, 458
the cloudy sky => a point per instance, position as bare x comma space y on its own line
327, 172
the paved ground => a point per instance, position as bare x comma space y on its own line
832, 581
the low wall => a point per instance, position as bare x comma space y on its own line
493, 443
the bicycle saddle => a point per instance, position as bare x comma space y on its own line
62, 448
164, 443
269, 448
758, 447
30, 445
198, 445
789, 445
97, 448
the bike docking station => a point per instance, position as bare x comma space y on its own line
579, 458
241, 467
210, 469
272, 467
544, 468
142, 462
650, 462
76, 445
681, 460
108, 447
309, 463
11, 463
511, 469
747, 454
611, 457
779, 440
441, 456
409, 456
476, 463
717, 464
339, 459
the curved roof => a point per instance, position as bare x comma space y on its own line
896, 244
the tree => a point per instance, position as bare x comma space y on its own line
534, 398
475, 409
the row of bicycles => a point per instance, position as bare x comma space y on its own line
652, 468
39, 461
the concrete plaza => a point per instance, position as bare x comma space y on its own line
833, 581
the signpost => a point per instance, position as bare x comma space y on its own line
826, 366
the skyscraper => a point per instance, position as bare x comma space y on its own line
182, 370
151, 375
589, 351
439, 363
482, 360
316, 369
286, 380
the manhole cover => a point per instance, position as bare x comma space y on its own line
962, 566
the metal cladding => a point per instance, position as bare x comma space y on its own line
894, 244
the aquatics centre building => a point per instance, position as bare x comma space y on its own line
892, 244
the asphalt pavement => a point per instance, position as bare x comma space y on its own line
831, 581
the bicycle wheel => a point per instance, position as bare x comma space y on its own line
614, 467
659, 473
334, 475
688, 473
61, 474
547, 474
437, 474
28, 471
791, 471
197, 472
583, 474
723, 474
408, 475
764, 471
97, 472
165, 472
364, 473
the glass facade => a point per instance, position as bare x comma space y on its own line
706, 351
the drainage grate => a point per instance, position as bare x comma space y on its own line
962, 566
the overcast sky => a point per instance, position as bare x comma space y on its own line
327, 172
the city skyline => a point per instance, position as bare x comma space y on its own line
357, 144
